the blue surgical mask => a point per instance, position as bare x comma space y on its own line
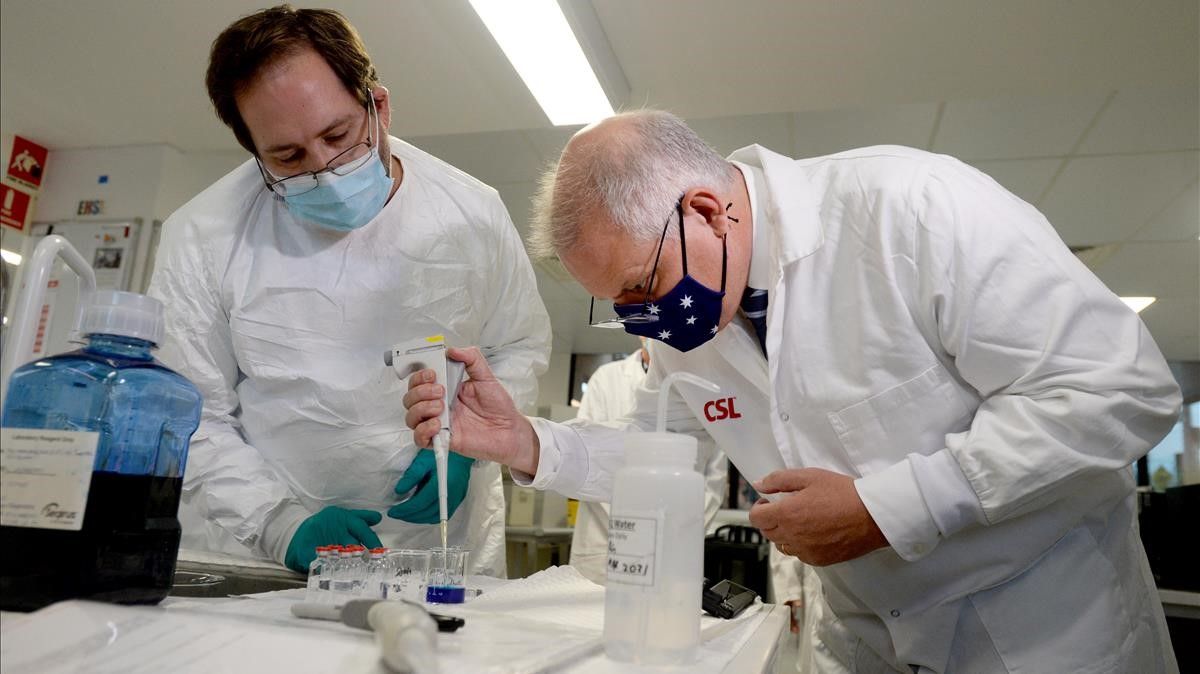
688, 315
344, 202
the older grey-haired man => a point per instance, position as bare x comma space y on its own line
945, 400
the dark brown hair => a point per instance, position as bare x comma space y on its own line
254, 42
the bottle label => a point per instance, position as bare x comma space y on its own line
45, 476
633, 549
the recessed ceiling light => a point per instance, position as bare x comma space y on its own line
1138, 303
538, 41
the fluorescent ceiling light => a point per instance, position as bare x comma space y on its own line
1138, 303
10, 257
538, 41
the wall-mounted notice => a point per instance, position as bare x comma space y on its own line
26, 164
16, 208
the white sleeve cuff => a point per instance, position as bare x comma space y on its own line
894, 501
562, 459
280, 528
952, 502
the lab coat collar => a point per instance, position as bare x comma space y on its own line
738, 345
790, 203
762, 251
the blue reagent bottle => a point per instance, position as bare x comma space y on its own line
113, 535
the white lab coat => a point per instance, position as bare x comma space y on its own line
283, 325
930, 334
611, 394
793, 580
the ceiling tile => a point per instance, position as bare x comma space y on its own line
726, 134
1026, 178
1170, 272
818, 55
1179, 348
1153, 270
1104, 199
1179, 221
493, 157
549, 142
821, 132
1010, 128
518, 199
1147, 120
1173, 322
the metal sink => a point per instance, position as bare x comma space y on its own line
206, 575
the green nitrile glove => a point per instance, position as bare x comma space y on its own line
331, 526
422, 506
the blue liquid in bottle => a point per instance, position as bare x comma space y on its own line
145, 415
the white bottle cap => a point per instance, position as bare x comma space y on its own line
660, 449
115, 312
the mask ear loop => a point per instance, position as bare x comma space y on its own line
724, 261
372, 130
682, 239
725, 249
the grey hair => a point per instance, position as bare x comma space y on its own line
635, 178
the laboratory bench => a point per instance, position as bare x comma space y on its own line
549, 622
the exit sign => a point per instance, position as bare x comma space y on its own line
90, 207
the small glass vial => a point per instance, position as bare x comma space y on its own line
315, 569
341, 584
375, 575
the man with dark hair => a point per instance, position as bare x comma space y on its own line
286, 280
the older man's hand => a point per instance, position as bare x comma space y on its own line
484, 425
821, 519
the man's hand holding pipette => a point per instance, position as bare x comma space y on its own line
484, 425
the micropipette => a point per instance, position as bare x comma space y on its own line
410, 357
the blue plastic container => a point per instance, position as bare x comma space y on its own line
125, 547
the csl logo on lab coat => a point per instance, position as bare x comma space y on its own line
721, 408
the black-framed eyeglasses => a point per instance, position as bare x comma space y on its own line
645, 314
346, 161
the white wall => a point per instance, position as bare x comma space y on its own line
555, 383
146, 181
143, 181
185, 175
134, 174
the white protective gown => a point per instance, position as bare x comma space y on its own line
929, 334
282, 325
612, 394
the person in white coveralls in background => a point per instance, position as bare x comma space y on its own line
610, 395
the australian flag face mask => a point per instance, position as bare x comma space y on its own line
685, 317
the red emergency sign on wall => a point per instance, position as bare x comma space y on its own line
15, 208
26, 163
